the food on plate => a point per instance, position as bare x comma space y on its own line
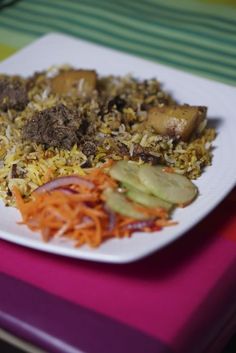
118, 202
95, 207
128, 174
87, 210
146, 199
13, 93
62, 121
177, 121
61, 126
167, 186
56, 127
66, 81
171, 187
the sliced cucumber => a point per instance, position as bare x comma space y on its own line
127, 173
170, 187
147, 199
117, 202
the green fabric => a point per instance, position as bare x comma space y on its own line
6, 51
195, 36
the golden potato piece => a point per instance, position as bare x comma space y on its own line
177, 121
83, 80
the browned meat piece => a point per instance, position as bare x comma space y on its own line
144, 154
89, 148
86, 164
123, 150
32, 80
14, 173
117, 102
177, 121
138, 149
13, 93
83, 80
57, 126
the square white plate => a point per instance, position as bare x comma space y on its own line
213, 185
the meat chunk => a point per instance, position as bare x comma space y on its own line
57, 126
118, 102
82, 80
89, 148
177, 121
123, 149
144, 154
14, 173
13, 93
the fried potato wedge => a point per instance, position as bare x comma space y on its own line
177, 121
83, 80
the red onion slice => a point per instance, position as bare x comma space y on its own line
86, 221
67, 190
64, 181
139, 225
111, 221
111, 218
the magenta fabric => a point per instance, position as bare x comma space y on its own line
60, 326
183, 295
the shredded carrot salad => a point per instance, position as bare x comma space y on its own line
78, 212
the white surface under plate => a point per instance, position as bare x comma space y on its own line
215, 182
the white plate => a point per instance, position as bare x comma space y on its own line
214, 184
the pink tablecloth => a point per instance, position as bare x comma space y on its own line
183, 297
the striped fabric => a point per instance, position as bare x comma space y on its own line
195, 36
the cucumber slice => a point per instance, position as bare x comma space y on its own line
117, 202
127, 173
170, 187
147, 199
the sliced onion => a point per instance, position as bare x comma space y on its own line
67, 190
111, 218
64, 181
61, 231
139, 225
85, 221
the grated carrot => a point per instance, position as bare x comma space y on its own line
81, 215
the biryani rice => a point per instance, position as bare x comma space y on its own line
34, 164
